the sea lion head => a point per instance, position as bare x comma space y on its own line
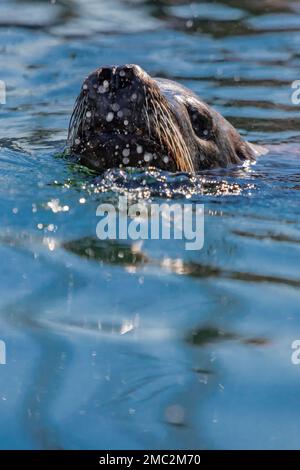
125, 118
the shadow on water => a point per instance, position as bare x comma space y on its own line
111, 252
207, 335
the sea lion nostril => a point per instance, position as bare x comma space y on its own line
126, 75
105, 73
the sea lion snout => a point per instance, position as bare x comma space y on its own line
116, 121
115, 98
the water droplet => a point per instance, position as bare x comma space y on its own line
175, 414
110, 116
148, 157
115, 107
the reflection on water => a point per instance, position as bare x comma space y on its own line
146, 345
111, 252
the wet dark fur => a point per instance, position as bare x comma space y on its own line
123, 117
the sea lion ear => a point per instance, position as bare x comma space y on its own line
247, 151
258, 150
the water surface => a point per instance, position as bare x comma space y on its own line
125, 345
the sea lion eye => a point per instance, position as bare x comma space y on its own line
202, 123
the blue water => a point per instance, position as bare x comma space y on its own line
114, 345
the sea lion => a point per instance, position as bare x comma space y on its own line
125, 118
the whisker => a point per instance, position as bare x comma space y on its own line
168, 133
